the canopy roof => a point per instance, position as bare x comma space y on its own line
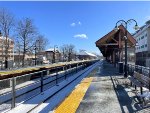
114, 40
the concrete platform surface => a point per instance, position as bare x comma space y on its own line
109, 92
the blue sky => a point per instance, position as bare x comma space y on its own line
78, 23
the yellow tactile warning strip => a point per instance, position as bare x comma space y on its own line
71, 103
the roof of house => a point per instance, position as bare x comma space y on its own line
52, 49
83, 52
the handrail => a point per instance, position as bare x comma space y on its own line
45, 68
42, 79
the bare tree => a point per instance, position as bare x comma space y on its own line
42, 43
26, 33
63, 50
71, 52
67, 51
6, 25
40, 46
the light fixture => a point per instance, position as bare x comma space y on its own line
136, 27
116, 28
125, 37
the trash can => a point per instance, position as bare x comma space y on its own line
120, 67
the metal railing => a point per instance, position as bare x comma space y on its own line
141, 69
16, 90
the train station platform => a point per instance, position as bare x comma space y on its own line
100, 89
105, 91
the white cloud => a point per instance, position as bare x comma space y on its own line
83, 36
73, 24
79, 23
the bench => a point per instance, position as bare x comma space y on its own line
139, 80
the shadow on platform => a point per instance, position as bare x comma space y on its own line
127, 101
109, 92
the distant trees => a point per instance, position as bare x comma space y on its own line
6, 26
67, 51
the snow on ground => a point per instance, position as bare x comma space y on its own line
145, 95
50, 104
30, 104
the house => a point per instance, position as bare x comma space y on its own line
85, 55
51, 55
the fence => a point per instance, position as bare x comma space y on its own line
16, 90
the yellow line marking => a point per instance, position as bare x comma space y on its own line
71, 103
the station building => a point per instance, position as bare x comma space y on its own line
112, 46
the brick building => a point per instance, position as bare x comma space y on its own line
3, 47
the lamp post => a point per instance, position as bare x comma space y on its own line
125, 23
55, 46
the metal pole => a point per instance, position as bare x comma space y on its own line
41, 81
149, 77
54, 55
65, 72
70, 69
35, 54
57, 76
77, 68
125, 68
13, 92
82, 66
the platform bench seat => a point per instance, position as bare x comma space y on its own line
140, 80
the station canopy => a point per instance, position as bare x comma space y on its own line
114, 40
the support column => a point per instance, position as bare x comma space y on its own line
120, 55
114, 58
